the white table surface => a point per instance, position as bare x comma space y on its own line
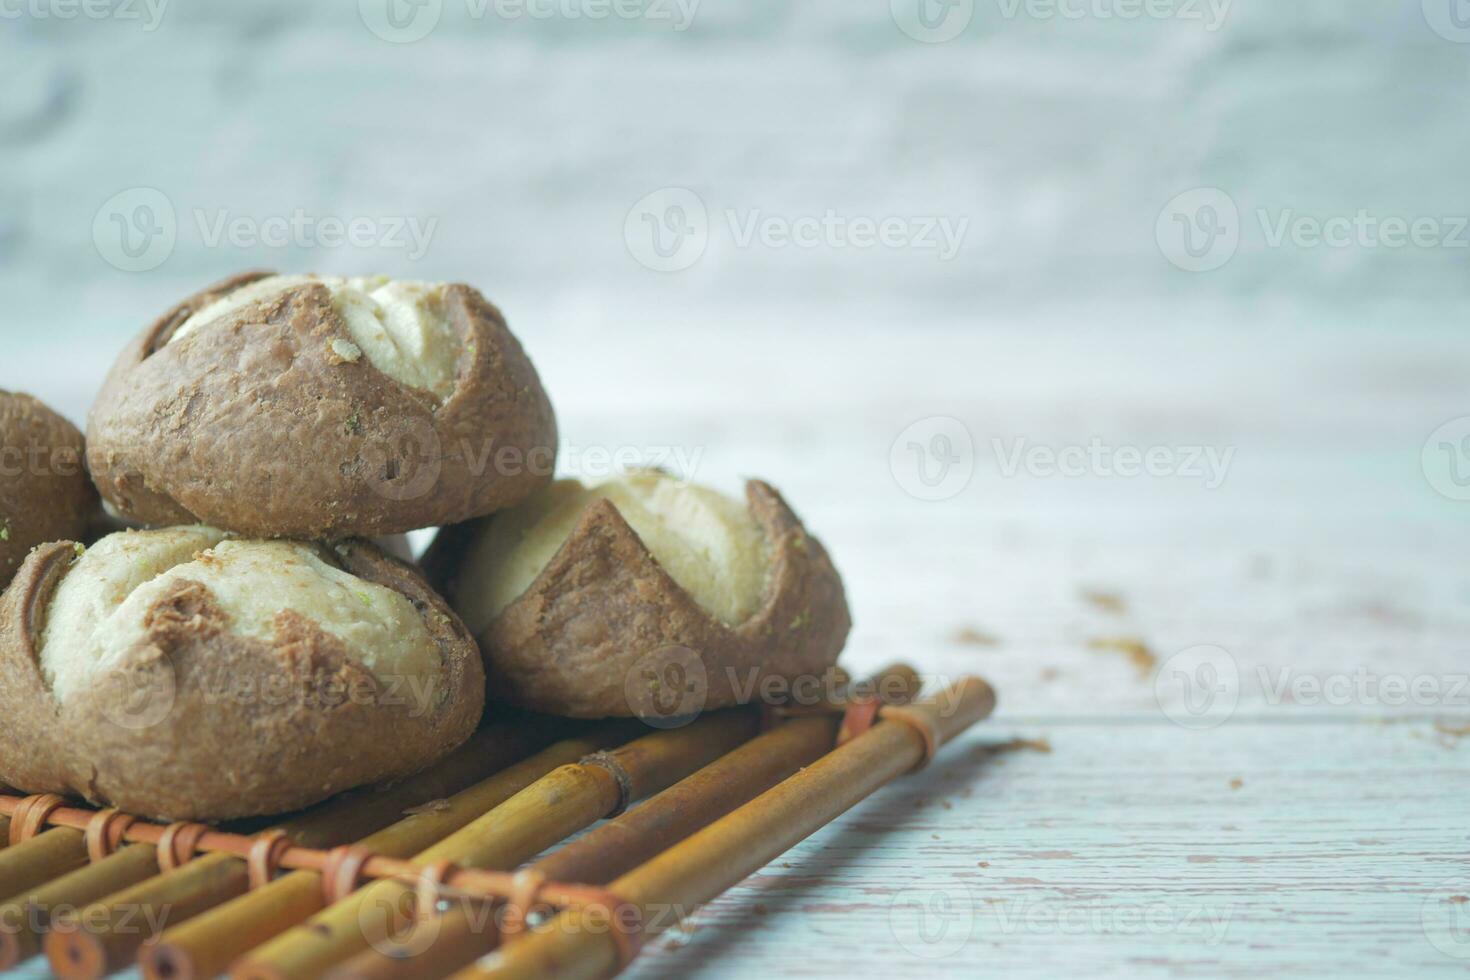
1306, 834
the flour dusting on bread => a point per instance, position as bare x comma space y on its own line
399, 325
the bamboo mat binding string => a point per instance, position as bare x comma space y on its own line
344, 869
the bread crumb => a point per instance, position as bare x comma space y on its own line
971, 637
1106, 601
1237, 783
1135, 649
346, 350
1041, 745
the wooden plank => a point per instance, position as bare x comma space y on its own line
1128, 851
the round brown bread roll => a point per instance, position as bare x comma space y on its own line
185, 675
44, 491
310, 407
643, 596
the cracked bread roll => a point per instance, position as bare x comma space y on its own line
311, 407
44, 491
588, 601
183, 674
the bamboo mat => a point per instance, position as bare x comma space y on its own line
457, 872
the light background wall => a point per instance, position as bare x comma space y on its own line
1060, 140
528, 140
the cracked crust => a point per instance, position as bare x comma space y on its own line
256, 425
197, 723
44, 491
604, 614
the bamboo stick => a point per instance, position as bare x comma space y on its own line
468, 930
25, 919
545, 813
44, 857
206, 945
104, 933
584, 945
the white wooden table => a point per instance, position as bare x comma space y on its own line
1094, 827
1091, 827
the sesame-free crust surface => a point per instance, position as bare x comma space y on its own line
258, 424
605, 631
44, 491
196, 722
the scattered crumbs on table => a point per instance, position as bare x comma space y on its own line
1237, 783
1110, 602
969, 636
1453, 731
946, 804
1049, 674
1459, 899
1132, 647
982, 864
1014, 745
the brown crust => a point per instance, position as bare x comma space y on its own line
198, 723
253, 424
44, 491
604, 613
